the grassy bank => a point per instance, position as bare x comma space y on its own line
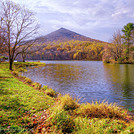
26, 107
19, 102
68, 116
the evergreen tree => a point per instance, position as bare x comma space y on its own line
128, 32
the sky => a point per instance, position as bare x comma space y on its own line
97, 19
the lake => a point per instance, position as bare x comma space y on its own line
88, 80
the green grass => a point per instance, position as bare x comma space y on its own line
98, 126
18, 102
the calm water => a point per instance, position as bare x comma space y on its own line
88, 80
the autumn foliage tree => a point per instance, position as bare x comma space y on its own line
19, 23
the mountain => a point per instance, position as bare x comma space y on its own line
62, 35
64, 44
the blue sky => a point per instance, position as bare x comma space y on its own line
97, 19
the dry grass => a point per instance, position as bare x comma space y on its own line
50, 92
44, 88
21, 70
15, 73
67, 102
27, 81
101, 110
67, 116
36, 85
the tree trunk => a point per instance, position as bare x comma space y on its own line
128, 52
11, 64
23, 60
23, 57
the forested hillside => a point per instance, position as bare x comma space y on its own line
70, 50
64, 44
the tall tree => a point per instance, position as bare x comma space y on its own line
117, 45
114, 51
128, 32
19, 23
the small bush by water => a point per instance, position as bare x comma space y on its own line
36, 85
67, 102
48, 91
101, 110
27, 81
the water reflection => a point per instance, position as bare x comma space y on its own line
89, 80
121, 79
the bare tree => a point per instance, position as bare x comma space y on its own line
29, 47
115, 50
19, 24
117, 42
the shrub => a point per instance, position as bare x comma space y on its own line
21, 70
102, 110
22, 77
36, 85
3, 58
15, 73
44, 88
67, 103
50, 92
120, 60
27, 80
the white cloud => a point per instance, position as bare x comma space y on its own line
84, 16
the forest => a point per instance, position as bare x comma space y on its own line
69, 50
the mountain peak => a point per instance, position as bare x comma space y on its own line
64, 30
64, 34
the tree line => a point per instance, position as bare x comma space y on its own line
121, 50
69, 50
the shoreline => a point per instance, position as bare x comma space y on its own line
52, 83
